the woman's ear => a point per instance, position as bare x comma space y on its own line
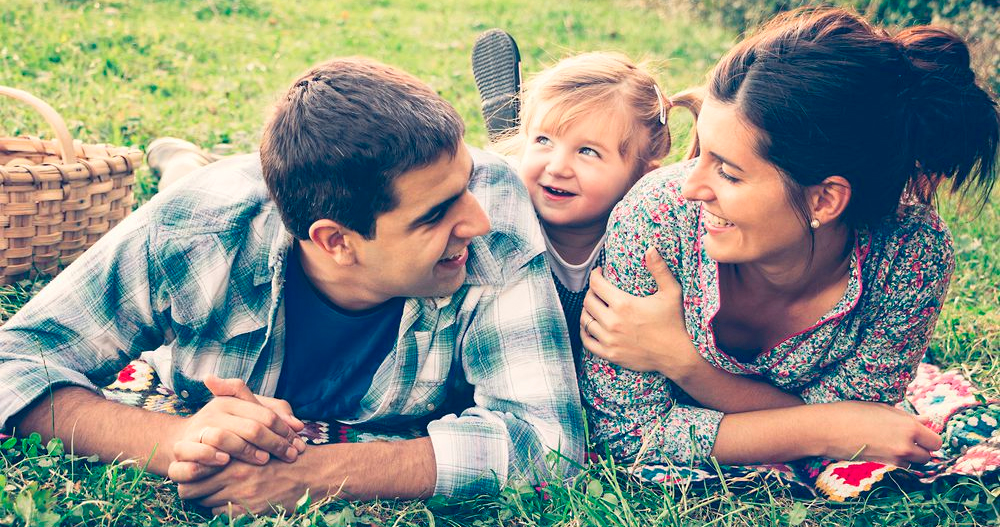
828, 200
334, 240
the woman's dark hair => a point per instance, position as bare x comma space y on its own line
834, 95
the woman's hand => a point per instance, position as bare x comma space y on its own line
877, 432
845, 430
638, 333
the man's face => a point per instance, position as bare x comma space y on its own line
420, 248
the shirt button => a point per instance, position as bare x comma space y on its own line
430, 407
185, 394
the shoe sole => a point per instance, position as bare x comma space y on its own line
496, 67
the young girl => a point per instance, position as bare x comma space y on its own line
590, 127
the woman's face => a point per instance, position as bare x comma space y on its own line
745, 209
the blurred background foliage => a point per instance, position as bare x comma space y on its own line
976, 20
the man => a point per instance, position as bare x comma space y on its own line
349, 269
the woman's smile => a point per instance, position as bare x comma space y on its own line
713, 220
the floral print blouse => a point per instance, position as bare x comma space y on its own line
866, 347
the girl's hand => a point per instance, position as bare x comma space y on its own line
638, 333
876, 432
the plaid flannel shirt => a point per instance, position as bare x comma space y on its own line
198, 272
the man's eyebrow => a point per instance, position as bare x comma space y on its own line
726, 161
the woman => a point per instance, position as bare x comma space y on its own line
811, 265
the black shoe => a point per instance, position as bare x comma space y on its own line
496, 66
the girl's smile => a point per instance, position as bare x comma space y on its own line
575, 172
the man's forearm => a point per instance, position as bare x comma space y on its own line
381, 469
90, 424
353, 471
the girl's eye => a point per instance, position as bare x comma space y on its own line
542, 140
724, 175
587, 151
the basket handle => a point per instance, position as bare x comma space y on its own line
51, 116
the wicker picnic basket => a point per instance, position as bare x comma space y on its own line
57, 197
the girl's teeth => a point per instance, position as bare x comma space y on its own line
558, 192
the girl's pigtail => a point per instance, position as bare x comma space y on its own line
691, 100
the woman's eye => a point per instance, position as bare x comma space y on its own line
724, 175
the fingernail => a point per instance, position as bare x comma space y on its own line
261, 456
291, 454
299, 444
222, 457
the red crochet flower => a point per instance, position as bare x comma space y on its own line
126, 374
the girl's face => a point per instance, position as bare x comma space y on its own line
576, 175
745, 209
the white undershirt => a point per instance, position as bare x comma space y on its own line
572, 276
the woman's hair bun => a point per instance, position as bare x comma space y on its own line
951, 122
938, 52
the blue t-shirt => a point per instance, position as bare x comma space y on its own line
331, 355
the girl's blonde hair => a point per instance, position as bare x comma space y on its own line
605, 83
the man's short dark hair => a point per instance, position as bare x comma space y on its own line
341, 136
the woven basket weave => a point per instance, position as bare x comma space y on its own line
57, 197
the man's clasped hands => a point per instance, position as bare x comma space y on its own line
235, 436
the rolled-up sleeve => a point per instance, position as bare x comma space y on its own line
527, 416
83, 326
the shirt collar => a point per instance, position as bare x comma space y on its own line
277, 241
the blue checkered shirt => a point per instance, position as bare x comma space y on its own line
198, 273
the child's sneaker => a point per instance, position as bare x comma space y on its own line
496, 66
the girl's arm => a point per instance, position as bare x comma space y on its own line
647, 334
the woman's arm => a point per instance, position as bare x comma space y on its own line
773, 426
648, 334
841, 430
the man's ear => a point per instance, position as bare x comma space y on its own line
829, 199
335, 240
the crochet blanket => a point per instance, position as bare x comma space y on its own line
968, 424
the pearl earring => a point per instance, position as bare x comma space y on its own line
814, 223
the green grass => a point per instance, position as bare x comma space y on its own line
125, 72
